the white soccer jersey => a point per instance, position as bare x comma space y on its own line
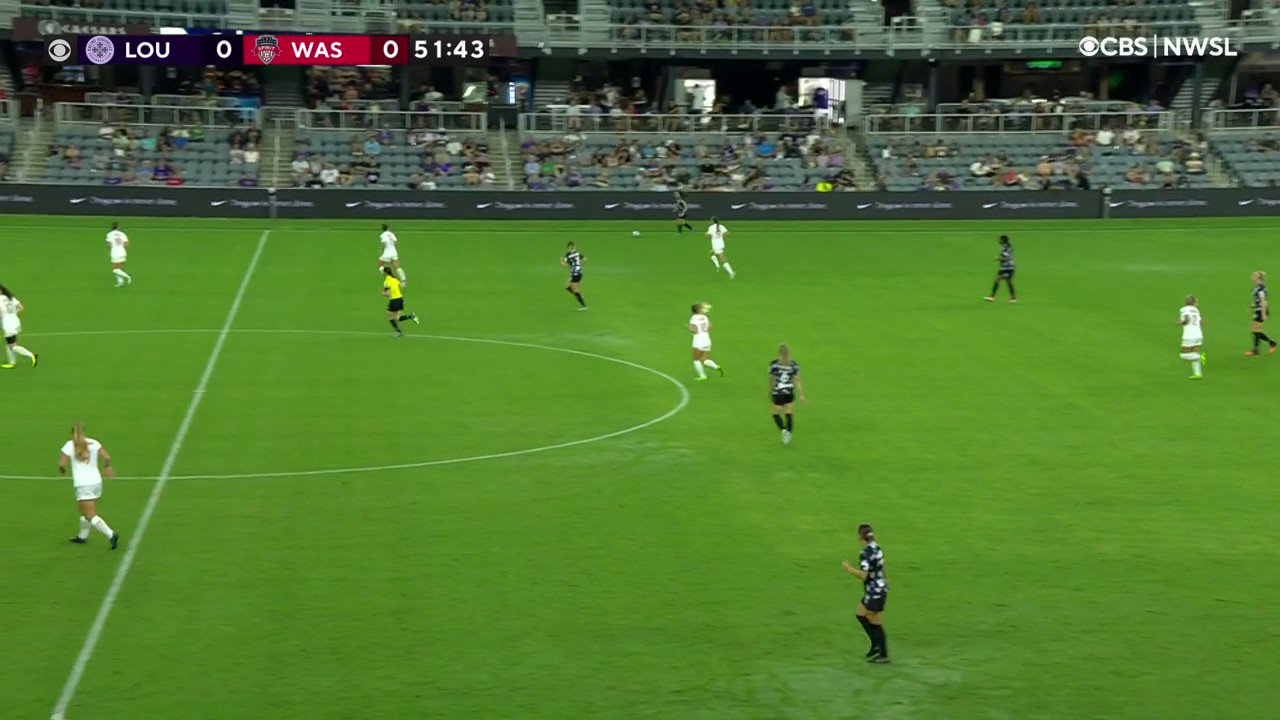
1191, 332
9, 315
388, 241
84, 473
118, 242
701, 331
717, 232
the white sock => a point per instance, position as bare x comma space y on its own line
102, 526
84, 528
1189, 356
124, 276
710, 363
8, 352
22, 351
1195, 366
729, 269
715, 261
697, 365
400, 274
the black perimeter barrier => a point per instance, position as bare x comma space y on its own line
606, 205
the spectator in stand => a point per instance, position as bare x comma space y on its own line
1195, 166
1104, 138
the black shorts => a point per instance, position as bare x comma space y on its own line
575, 278
680, 216
395, 305
874, 602
784, 398
1257, 317
11, 339
1005, 274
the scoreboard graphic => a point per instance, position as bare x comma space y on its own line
259, 49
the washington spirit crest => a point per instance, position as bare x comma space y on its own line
267, 48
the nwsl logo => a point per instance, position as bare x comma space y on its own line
266, 47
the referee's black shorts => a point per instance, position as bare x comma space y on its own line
395, 305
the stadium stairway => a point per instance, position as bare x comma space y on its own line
530, 22
504, 150
549, 92
31, 148
277, 153
283, 86
6, 80
596, 16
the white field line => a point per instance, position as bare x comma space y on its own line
680, 405
131, 550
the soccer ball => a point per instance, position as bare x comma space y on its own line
635, 233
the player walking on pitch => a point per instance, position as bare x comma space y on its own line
118, 243
682, 214
716, 233
1192, 336
700, 326
82, 455
11, 325
1261, 311
784, 389
390, 255
573, 259
395, 301
1005, 272
875, 591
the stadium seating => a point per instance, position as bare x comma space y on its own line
204, 162
771, 13
197, 13
1023, 153
1254, 158
455, 16
1092, 17
397, 161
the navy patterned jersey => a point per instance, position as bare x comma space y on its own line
573, 259
871, 560
1006, 258
1259, 294
784, 376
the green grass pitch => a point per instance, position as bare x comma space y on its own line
1072, 528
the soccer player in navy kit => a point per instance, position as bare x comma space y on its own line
1260, 308
682, 214
573, 260
875, 591
1005, 272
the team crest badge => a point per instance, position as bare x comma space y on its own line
266, 47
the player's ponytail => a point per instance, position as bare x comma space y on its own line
79, 443
5, 292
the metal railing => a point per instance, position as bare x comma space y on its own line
114, 98
998, 36
1244, 119
33, 139
195, 101
506, 154
165, 115
756, 37
453, 27
578, 123
382, 120
1017, 122
388, 104
154, 18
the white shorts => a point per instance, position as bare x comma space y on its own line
11, 329
89, 492
119, 258
702, 342
389, 257
1192, 340
717, 247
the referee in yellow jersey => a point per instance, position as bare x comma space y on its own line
395, 301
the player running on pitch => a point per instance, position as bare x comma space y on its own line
716, 232
390, 256
1192, 336
118, 243
10, 306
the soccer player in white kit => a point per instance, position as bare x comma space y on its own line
717, 232
1192, 336
700, 326
390, 256
118, 243
82, 455
10, 325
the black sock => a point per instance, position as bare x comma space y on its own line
777, 420
395, 325
407, 316
689, 226
1257, 341
1013, 294
880, 640
866, 627
995, 288
1263, 337
581, 302
790, 424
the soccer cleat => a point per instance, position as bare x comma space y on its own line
582, 309
700, 379
990, 298
414, 318
879, 660
1204, 358
1250, 352
35, 359
115, 540
1272, 351
79, 540
8, 366
1197, 376
786, 437
720, 369
1013, 300
399, 334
